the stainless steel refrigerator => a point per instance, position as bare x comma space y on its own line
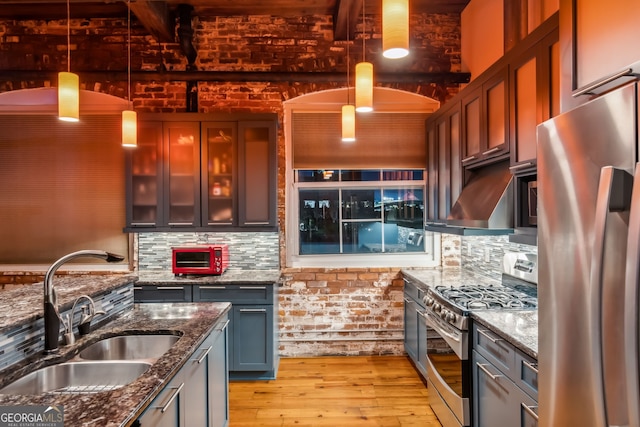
588, 236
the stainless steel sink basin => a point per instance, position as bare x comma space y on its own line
78, 377
129, 347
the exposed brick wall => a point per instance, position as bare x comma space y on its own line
348, 311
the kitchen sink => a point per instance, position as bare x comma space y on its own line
129, 347
78, 377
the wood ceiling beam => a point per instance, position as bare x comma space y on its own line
156, 17
238, 76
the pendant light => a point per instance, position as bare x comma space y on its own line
129, 117
68, 85
395, 28
364, 78
348, 110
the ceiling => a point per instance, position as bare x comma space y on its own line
158, 16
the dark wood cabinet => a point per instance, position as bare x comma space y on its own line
485, 124
191, 172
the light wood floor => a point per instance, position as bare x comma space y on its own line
334, 391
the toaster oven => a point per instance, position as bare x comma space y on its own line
203, 259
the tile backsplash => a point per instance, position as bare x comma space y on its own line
483, 254
247, 250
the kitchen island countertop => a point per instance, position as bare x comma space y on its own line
121, 407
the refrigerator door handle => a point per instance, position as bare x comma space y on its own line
614, 195
631, 315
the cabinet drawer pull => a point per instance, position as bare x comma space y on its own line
220, 223
204, 355
468, 159
170, 288
143, 224
137, 288
257, 223
532, 366
422, 314
520, 166
180, 224
253, 310
491, 151
224, 326
407, 301
175, 394
486, 371
485, 334
530, 410
253, 287
213, 287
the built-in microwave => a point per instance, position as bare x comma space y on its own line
526, 195
532, 202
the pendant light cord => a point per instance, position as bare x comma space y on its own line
68, 37
363, 33
348, 63
129, 51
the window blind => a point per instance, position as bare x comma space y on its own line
62, 187
383, 140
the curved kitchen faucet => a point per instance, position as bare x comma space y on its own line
52, 317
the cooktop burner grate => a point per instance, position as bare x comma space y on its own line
477, 297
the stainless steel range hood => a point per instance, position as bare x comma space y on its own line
485, 205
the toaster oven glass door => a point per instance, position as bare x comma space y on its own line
196, 259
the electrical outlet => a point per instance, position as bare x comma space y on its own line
487, 255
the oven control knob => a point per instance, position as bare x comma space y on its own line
429, 301
451, 317
444, 313
436, 307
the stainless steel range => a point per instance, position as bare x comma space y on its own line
447, 314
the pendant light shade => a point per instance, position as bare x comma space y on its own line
68, 96
364, 87
395, 28
129, 128
348, 123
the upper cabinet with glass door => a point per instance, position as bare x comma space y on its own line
191, 172
218, 183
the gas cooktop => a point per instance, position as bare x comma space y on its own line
477, 297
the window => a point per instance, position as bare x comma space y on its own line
360, 204
361, 212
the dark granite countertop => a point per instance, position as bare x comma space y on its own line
267, 277
25, 303
519, 327
120, 407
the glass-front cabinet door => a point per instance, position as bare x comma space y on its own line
182, 163
145, 177
218, 166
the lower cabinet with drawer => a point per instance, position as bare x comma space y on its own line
252, 330
198, 394
253, 349
505, 382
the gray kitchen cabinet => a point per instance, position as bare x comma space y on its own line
252, 327
415, 326
198, 394
504, 381
160, 293
193, 172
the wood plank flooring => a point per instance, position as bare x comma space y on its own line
344, 391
